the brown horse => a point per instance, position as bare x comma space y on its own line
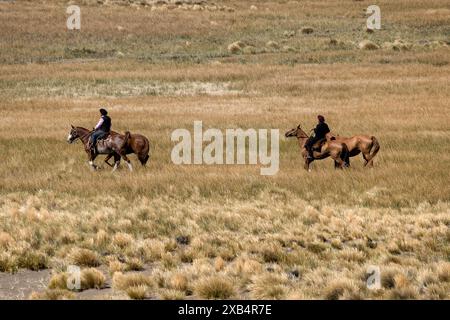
337, 151
137, 144
367, 145
115, 145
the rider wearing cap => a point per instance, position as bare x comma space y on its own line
102, 128
320, 132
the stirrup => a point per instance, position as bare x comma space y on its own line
92, 148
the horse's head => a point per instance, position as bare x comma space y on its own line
73, 135
296, 132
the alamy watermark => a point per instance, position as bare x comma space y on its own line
374, 20
237, 143
373, 281
73, 22
74, 278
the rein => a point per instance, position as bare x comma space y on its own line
85, 135
90, 132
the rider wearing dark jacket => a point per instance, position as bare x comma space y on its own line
102, 128
320, 132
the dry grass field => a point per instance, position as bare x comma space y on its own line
217, 232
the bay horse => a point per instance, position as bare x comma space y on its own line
135, 143
115, 145
336, 150
368, 146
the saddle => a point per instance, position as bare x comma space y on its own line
318, 145
103, 136
101, 141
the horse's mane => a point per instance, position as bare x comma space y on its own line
302, 131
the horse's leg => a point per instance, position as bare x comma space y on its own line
307, 165
143, 158
339, 163
116, 161
91, 161
366, 159
107, 159
128, 162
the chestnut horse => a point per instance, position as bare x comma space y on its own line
135, 143
337, 151
114, 145
367, 145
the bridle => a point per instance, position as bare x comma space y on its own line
85, 135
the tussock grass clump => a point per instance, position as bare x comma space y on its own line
92, 279
272, 44
169, 260
135, 285
117, 266
102, 238
443, 272
214, 287
172, 294
403, 288
244, 266
236, 47
428, 278
6, 240
398, 285
437, 291
317, 247
58, 281
52, 294
122, 240
153, 250
341, 289
403, 293
187, 255
353, 255
84, 257
33, 260
307, 30
388, 277
368, 45
269, 286
273, 253
134, 264
179, 282
7, 262
137, 292
89, 279
124, 281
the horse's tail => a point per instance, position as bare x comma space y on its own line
375, 147
345, 154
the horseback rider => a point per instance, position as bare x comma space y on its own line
102, 129
320, 132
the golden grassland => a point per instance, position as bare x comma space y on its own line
219, 232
